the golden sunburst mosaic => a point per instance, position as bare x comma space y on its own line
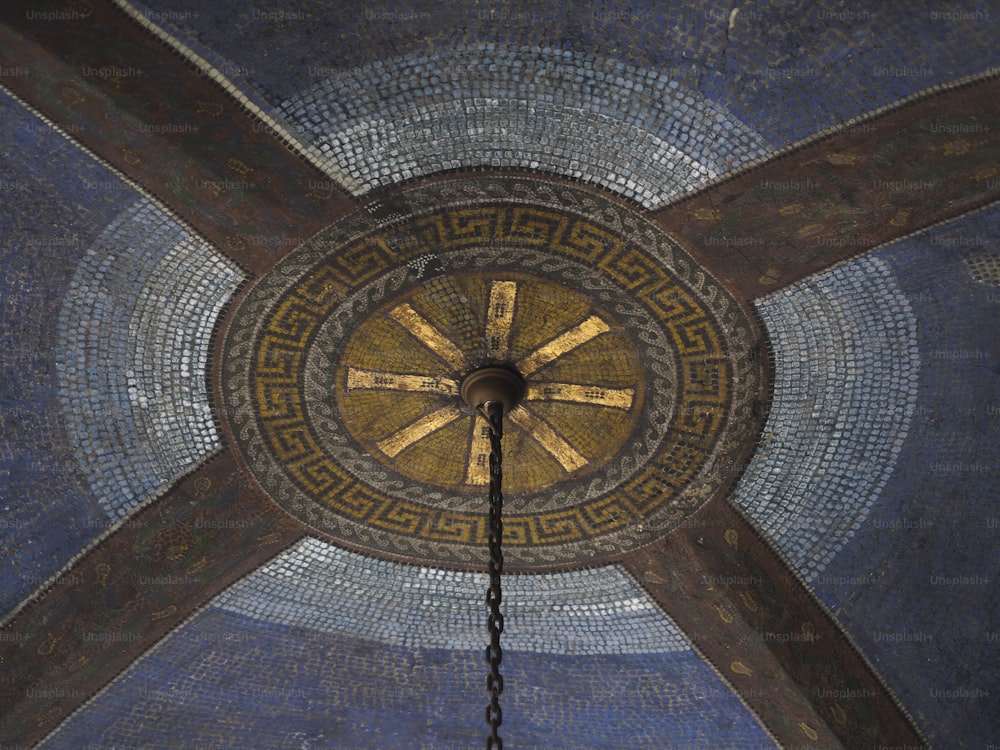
398, 388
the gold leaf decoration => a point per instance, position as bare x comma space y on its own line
740, 668
841, 159
732, 538
707, 214
103, 570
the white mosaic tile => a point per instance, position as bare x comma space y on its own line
630, 130
134, 336
846, 369
315, 585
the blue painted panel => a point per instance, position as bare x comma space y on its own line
917, 585
107, 311
226, 681
53, 202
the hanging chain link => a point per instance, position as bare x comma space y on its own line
494, 621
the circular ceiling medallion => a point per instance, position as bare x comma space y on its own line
342, 369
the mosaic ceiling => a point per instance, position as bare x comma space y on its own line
744, 257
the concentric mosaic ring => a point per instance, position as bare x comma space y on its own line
558, 463
341, 371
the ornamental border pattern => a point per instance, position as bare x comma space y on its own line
660, 496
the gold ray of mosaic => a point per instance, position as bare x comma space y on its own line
561, 344
500, 317
548, 438
428, 335
395, 444
618, 398
377, 380
478, 471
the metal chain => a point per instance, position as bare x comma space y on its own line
494, 621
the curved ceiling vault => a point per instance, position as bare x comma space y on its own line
745, 257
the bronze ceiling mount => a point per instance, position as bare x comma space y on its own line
494, 391
493, 384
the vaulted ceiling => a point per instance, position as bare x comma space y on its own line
745, 257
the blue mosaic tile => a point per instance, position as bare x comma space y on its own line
52, 205
597, 611
784, 69
846, 365
133, 350
916, 587
227, 680
794, 68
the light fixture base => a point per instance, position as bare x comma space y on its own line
493, 383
